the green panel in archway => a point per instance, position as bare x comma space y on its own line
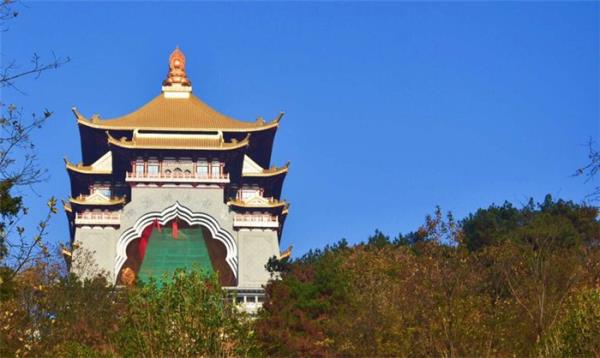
164, 254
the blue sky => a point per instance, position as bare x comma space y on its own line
391, 108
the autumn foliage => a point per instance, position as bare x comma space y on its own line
504, 281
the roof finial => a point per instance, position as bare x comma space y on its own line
177, 69
177, 85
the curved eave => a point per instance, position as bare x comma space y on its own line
130, 144
269, 172
67, 207
111, 202
272, 205
85, 169
97, 124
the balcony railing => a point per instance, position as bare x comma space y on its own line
98, 218
249, 300
253, 220
176, 178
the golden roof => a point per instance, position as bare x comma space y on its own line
67, 206
95, 199
258, 202
180, 114
85, 169
285, 254
273, 171
184, 142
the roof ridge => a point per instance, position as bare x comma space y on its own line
187, 114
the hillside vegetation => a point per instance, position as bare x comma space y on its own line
504, 281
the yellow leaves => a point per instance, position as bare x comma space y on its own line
52, 205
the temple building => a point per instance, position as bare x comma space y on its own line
176, 184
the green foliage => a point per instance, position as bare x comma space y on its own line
528, 287
497, 285
497, 223
578, 333
72, 349
9, 208
43, 312
486, 226
188, 315
9, 205
378, 239
275, 266
298, 317
7, 284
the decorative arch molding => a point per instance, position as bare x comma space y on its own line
177, 211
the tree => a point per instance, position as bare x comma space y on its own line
300, 309
537, 270
188, 315
578, 332
491, 226
48, 313
590, 170
19, 166
430, 293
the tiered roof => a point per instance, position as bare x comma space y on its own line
176, 114
252, 169
178, 141
259, 202
177, 110
176, 120
102, 166
97, 199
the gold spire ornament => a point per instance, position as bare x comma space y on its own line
177, 73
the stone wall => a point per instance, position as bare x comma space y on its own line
254, 246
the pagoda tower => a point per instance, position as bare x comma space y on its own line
176, 184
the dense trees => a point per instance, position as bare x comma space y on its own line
187, 316
45, 314
503, 281
498, 223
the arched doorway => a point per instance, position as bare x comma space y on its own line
161, 242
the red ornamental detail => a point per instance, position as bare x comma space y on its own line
175, 229
157, 225
144, 241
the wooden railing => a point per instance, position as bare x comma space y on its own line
98, 218
256, 220
177, 177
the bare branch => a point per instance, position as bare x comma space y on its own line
590, 171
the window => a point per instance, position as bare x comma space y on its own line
139, 168
215, 170
153, 169
202, 169
104, 190
246, 194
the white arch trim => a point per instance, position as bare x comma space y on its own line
176, 211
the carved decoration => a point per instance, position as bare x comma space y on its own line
177, 73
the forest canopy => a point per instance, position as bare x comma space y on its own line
504, 281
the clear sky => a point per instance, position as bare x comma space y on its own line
391, 108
